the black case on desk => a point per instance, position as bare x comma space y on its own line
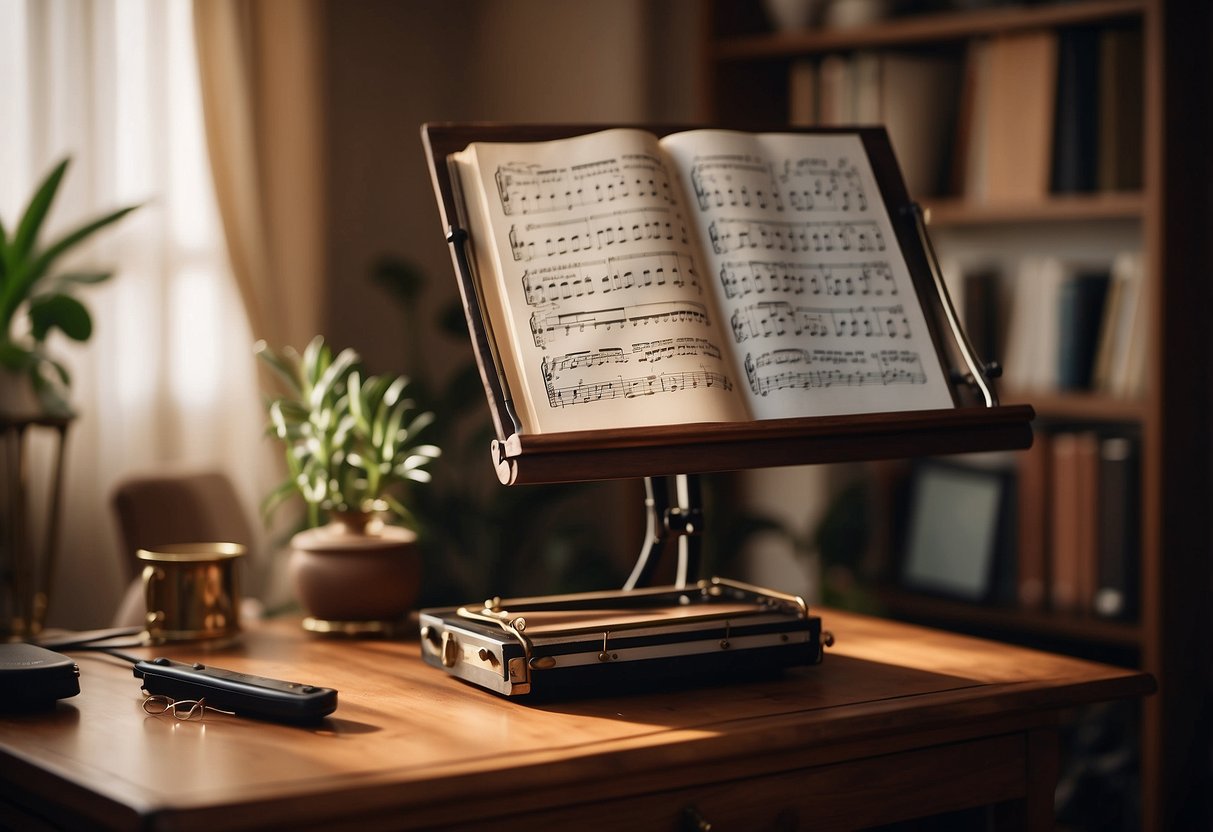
714, 631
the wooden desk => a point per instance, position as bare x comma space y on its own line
899, 722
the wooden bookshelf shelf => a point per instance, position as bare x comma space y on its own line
953, 212
1083, 406
1013, 621
931, 29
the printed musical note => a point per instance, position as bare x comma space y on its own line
648, 352
548, 325
584, 359
654, 351
741, 278
639, 272
729, 235
895, 321
532, 189
771, 319
733, 182
788, 369
634, 387
600, 231
813, 185
650, 270
547, 285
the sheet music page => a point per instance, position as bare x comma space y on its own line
816, 294
601, 300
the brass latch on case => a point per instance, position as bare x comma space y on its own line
519, 673
450, 649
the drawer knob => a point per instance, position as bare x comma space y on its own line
694, 821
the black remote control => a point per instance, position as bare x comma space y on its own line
241, 693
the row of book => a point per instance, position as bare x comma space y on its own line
1052, 111
1078, 523
1059, 325
1014, 117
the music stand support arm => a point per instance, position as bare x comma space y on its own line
679, 525
978, 373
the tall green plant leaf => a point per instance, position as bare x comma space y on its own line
39, 206
69, 280
331, 378
288, 373
42, 262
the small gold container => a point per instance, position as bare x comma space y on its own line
192, 591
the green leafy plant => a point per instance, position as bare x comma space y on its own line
34, 301
352, 441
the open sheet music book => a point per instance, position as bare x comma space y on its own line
708, 276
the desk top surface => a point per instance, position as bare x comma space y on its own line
406, 737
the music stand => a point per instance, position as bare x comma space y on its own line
668, 457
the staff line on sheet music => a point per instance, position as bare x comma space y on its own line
769, 319
526, 188
801, 369
799, 186
650, 352
546, 325
649, 270
730, 235
741, 278
635, 387
594, 233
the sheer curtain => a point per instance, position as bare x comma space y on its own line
260, 71
168, 379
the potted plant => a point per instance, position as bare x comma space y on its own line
34, 302
352, 448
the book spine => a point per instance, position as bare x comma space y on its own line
981, 312
1064, 561
1033, 503
802, 93
1119, 527
1081, 299
1018, 130
1076, 119
1121, 109
1087, 502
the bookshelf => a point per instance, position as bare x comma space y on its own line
750, 79
944, 212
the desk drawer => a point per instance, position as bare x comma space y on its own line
848, 795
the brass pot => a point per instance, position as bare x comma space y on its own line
192, 591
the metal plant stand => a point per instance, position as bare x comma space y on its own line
28, 550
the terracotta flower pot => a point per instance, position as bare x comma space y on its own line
17, 397
355, 576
